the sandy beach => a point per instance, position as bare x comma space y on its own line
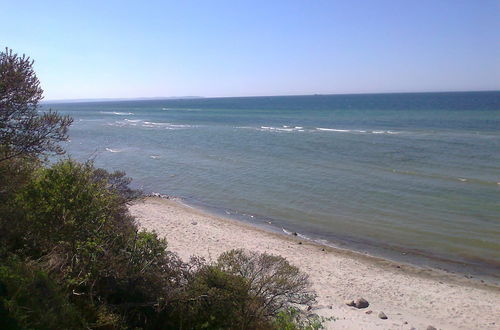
411, 297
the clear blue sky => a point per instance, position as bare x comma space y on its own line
96, 49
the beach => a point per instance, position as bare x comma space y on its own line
410, 297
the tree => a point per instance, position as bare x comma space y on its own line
23, 130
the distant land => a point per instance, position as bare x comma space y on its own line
122, 99
110, 99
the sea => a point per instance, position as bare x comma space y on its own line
413, 177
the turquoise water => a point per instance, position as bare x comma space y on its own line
415, 174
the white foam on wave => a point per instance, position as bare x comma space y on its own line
113, 150
284, 128
147, 124
117, 113
355, 131
333, 130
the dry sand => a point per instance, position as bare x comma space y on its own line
409, 296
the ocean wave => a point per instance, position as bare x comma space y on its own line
165, 125
333, 129
116, 113
338, 130
283, 128
295, 234
287, 128
113, 150
441, 176
181, 109
148, 124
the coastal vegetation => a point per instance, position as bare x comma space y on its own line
72, 257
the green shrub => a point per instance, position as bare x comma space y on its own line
65, 207
292, 319
273, 282
242, 290
213, 300
15, 173
30, 299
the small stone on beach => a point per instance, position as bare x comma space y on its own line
369, 312
350, 303
294, 234
361, 303
382, 316
300, 242
430, 327
194, 223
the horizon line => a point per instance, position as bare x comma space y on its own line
139, 98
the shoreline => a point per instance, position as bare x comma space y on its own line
485, 272
405, 293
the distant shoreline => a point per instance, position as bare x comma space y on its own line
405, 293
170, 98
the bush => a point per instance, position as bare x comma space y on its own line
30, 299
273, 282
67, 209
75, 219
292, 319
242, 290
213, 300
14, 175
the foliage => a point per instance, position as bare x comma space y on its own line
23, 131
118, 183
292, 319
213, 299
242, 290
30, 299
275, 284
67, 208
15, 173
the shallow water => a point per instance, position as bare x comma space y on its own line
418, 173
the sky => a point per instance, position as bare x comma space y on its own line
127, 49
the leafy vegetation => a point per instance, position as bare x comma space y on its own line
72, 257
23, 130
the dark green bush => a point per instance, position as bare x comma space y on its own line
30, 299
242, 290
273, 282
66, 207
214, 300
